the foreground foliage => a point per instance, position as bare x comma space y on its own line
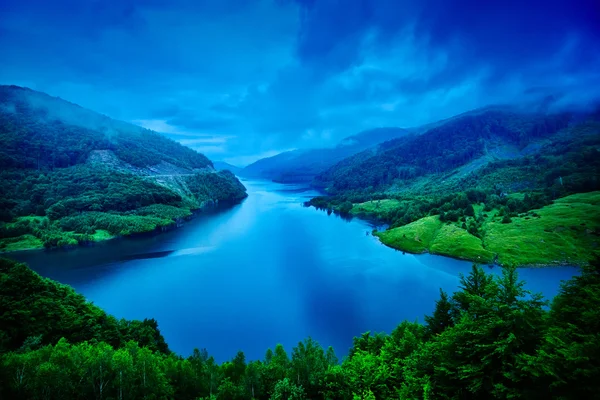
490, 339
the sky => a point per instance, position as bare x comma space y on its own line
243, 79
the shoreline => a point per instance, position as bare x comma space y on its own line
196, 213
494, 264
217, 205
374, 221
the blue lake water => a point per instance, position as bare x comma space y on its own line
263, 272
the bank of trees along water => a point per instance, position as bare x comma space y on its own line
490, 339
68, 206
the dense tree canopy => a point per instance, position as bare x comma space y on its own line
490, 340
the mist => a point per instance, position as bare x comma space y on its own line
240, 80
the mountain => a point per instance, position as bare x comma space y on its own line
492, 185
70, 175
58, 134
461, 144
222, 165
304, 165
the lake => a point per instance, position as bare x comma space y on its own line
266, 271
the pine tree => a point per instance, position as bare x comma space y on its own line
442, 316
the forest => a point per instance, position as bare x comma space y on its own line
490, 339
81, 204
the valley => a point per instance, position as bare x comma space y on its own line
299, 200
444, 216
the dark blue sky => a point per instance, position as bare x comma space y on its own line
239, 79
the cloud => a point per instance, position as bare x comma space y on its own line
270, 75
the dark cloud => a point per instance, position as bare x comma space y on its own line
506, 37
244, 78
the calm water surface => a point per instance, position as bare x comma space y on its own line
266, 271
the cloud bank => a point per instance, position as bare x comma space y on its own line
240, 79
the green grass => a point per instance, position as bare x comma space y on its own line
456, 242
375, 207
415, 237
24, 242
563, 233
430, 235
101, 234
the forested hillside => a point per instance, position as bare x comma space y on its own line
442, 148
37, 131
489, 340
482, 178
69, 175
304, 165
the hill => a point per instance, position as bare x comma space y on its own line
30, 303
41, 131
474, 179
222, 165
70, 175
304, 165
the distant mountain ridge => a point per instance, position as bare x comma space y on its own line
304, 165
310, 165
222, 165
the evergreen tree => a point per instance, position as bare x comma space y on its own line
442, 316
567, 364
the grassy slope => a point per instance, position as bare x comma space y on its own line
565, 233
375, 207
429, 234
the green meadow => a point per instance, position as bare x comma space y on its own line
562, 233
